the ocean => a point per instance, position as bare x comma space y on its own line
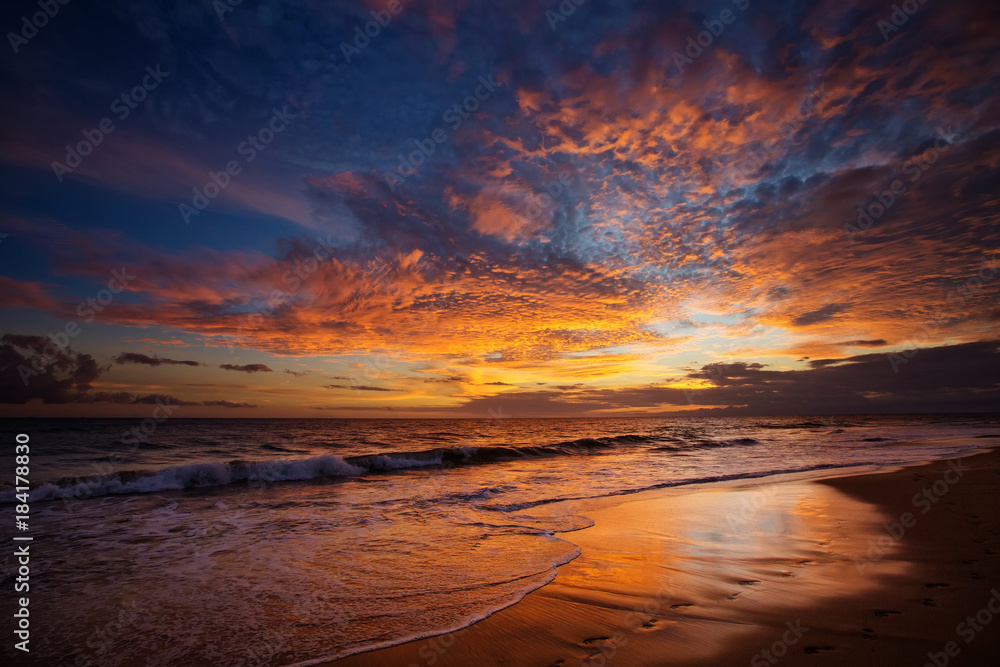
265, 542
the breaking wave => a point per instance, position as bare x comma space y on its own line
199, 475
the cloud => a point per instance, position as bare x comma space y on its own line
880, 342
160, 399
247, 368
157, 399
144, 360
824, 314
33, 367
596, 205
359, 387
227, 404
947, 378
18, 294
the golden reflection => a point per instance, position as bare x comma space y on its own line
684, 574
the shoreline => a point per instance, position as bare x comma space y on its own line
707, 575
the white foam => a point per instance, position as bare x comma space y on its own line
196, 475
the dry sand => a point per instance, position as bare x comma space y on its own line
804, 569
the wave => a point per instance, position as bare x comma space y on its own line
797, 425
193, 475
199, 475
706, 444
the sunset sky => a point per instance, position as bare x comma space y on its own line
500, 208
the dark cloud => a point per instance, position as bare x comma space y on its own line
33, 367
297, 374
228, 404
144, 360
879, 342
248, 368
158, 399
117, 397
161, 399
824, 314
952, 378
358, 387
454, 264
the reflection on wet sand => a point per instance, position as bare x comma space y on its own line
676, 577
686, 574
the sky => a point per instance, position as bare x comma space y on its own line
481, 209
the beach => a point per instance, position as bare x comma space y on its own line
447, 542
879, 567
482, 334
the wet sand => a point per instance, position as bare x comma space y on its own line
876, 568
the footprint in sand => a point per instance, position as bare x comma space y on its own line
595, 640
649, 624
813, 650
933, 585
749, 582
868, 633
733, 596
886, 612
681, 606
929, 602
